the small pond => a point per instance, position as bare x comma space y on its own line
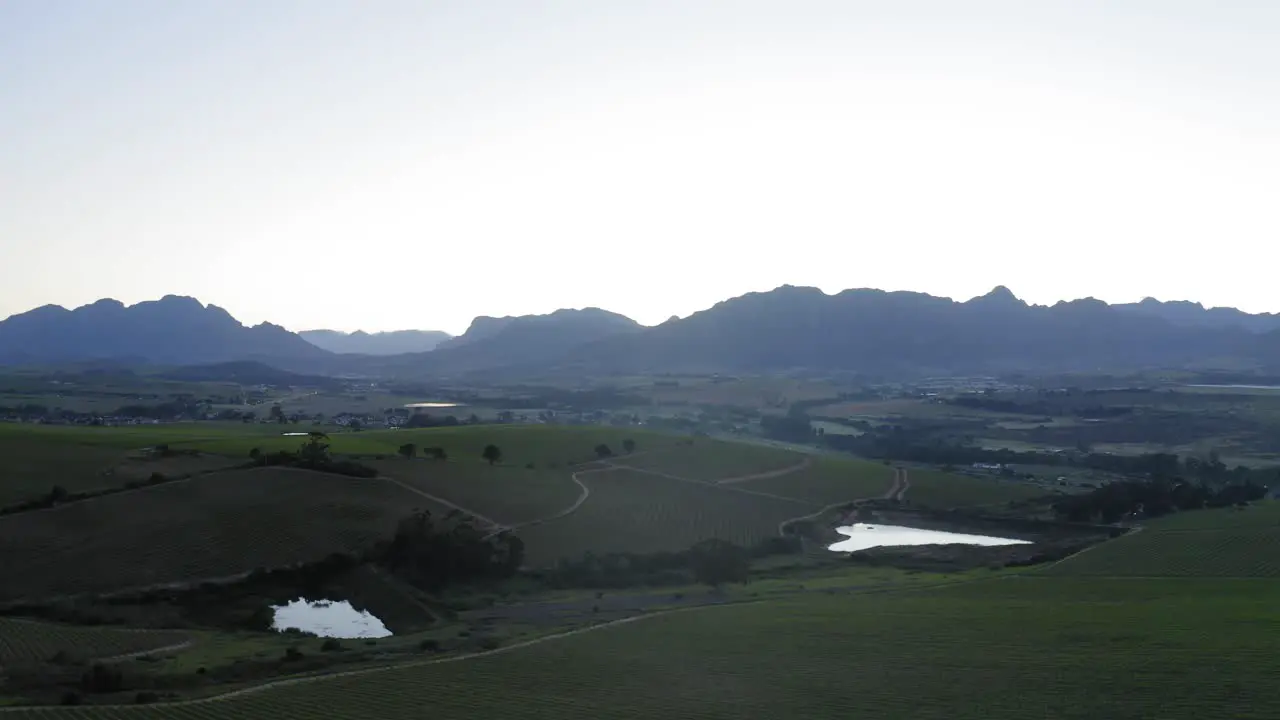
864, 535
295, 434
432, 405
327, 618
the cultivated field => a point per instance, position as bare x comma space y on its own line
1013, 648
642, 513
26, 641
33, 465
714, 460
828, 480
1226, 543
508, 494
212, 526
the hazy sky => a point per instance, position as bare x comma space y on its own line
381, 164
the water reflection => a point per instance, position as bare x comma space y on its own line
864, 535
329, 619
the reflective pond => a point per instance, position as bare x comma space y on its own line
327, 618
864, 535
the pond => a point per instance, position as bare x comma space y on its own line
295, 434
864, 535
432, 405
329, 619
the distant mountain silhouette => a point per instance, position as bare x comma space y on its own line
790, 328
170, 331
525, 340
900, 333
1193, 314
381, 343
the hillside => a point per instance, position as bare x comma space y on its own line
380, 343
170, 331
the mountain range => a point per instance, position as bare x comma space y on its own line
789, 328
170, 331
359, 342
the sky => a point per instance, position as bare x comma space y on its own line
388, 164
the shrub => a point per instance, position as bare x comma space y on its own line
429, 645
330, 645
145, 697
293, 654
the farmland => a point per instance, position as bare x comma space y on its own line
505, 493
641, 513
1119, 649
782, 651
24, 641
212, 526
1227, 543
827, 480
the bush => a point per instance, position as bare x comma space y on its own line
490, 643
293, 654
145, 697
429, 645
71, 697
330, 645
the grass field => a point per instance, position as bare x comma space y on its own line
641, 513
212, 526
23, 641
1013, 648
1226, 543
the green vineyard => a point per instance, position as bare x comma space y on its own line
1228, 543
26, 641
209, 527
642, 513
1015, 648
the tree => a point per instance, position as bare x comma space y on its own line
474, 419
249, 417
277, 414
629, 445
255, 455
603, 451
715, 562
492, 453
315, 451
435, 453
408, 450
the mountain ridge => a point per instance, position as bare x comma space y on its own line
788, 328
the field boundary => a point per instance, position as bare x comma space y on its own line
897, 489
710, 484
768, 474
